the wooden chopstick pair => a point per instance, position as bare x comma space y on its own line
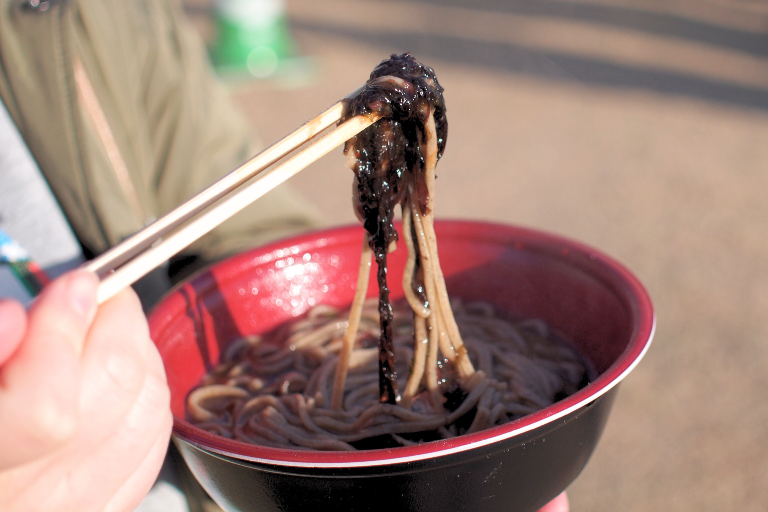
139, 254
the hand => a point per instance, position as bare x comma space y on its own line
559, 504
84, 404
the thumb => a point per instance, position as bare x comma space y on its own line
65, 309
40, 382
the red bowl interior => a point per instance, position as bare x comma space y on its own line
596, 303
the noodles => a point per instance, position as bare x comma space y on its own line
521, 368
333, 381
394, 164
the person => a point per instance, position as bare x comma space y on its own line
84, 405
112, 118
122, 120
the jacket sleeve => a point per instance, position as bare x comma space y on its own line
166, 120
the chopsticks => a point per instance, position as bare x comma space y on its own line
139, 254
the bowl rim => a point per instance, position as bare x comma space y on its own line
562, 248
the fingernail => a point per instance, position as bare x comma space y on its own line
81, 292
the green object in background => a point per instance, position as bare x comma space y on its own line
252, 37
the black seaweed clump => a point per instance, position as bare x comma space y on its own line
401, 93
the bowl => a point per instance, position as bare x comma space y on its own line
596, 303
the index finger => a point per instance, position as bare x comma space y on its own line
13, 324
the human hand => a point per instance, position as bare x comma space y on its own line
84, 404
559, 504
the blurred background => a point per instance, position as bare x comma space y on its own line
637, 126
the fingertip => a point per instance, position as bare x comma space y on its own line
559, 504
82, 289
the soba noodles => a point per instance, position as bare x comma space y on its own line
275, 389
461, 368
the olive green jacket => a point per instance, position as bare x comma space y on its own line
117, 104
